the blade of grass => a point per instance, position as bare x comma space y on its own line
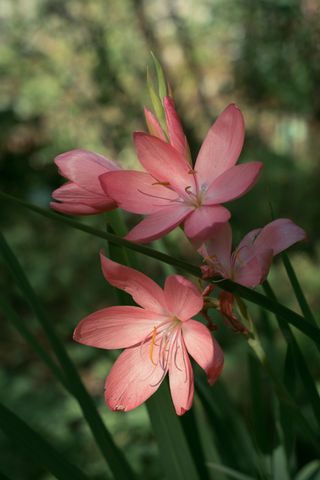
252, 296
302, 367
228, 427
191, 431
178, 463
18, 323
230, 472
260, 409
37, 447
301, 299
284, 396
289, 380
113, 456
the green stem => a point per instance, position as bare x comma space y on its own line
290, 316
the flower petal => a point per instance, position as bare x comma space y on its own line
153, 125
222, 146
164, 162
182, 297
278, 236
84, 167
233, 183
136, 192
72, 193
143, 290
116, 327
181, 378
132, 379
203, 348
176, 134
158, 224
204, 222
217, 250
250, 272
74, 209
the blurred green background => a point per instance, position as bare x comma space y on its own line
74, 76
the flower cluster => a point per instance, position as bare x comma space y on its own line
160, 333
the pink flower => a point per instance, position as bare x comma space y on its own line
83, 194
157, 337
170, 192
250, 262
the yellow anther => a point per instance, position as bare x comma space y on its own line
152, 343
165, 184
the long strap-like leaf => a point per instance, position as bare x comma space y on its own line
114, 457
301, 299
177, 459
37, 447
302, 367
257, 298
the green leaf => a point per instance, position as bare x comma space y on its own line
177, 462
37, 447
18, 323
279, 464
230, 472
157, 104
252, 296
260, 410
113, 456
162, 83
229, 427
302, 367
311, 471
192, 434
298, 290
283, 395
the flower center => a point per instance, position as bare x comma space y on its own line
163, 343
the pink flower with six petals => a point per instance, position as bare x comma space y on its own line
250, 262
157, 337
83, 194
170, 192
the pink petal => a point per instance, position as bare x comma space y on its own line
71, 193
176, 134
233, 183
181, 378
203, 348
153, 125
132, 379
278, 236
116, 327
182, 297
164, 162
84, 167
222, 145
143, 290
217, 250
250, 272
204, 222
74, 209
158, 224
248, 240
136, 192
